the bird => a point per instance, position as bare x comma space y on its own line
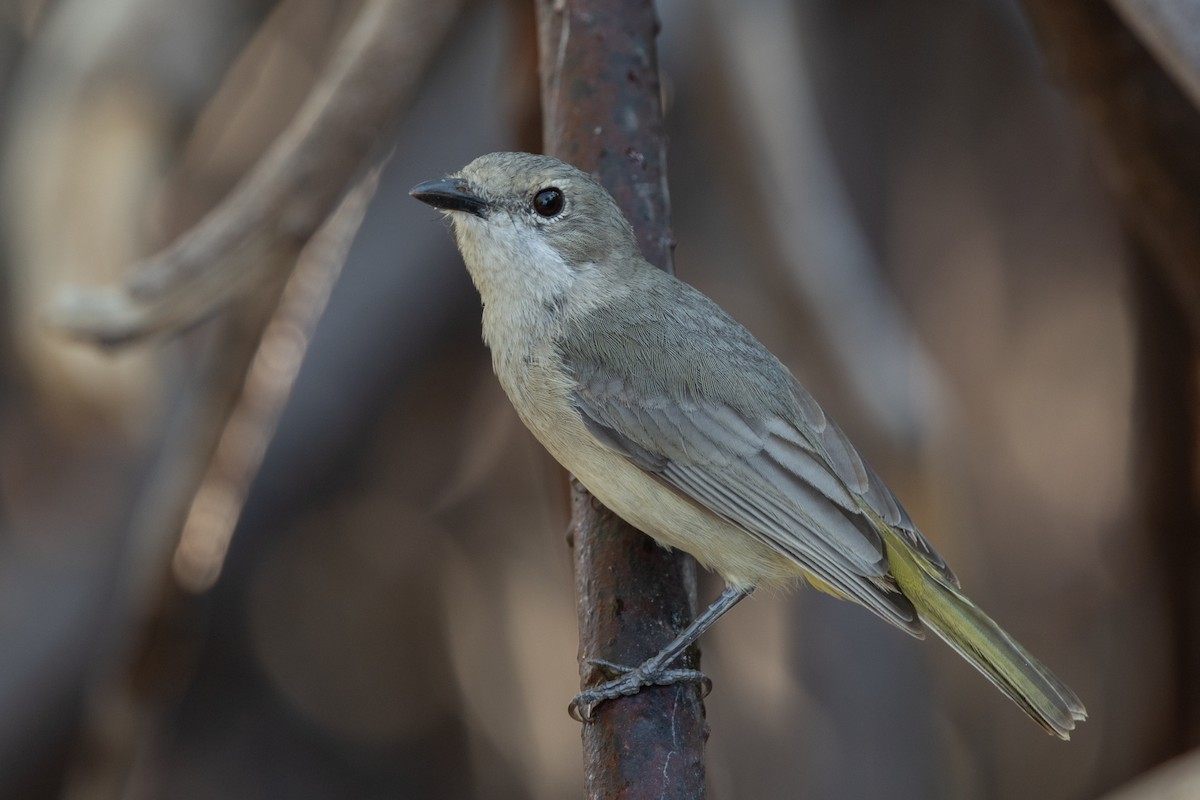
679, 420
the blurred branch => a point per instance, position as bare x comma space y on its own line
809, 218
295, 186
602, 112
100, 104
1146, 130
246, 370
1170, 29
214, 511
179, 47
121, 713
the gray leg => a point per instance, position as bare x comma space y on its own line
653, 671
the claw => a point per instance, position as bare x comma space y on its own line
653, 672
579, 711
582, 708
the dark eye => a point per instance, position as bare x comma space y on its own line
548, 202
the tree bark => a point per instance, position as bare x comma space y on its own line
602, 112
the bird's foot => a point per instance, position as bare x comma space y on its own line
631, 681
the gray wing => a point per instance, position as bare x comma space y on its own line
745, 440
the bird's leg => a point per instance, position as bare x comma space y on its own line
653, 671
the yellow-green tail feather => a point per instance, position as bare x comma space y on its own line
978, 639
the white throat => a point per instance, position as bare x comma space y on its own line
519, 277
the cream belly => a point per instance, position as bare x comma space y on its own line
637, 497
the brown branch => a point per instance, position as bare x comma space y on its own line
289, 193
602, 112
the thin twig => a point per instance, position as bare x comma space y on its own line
288, 194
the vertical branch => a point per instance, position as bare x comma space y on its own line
601, 107
602, 112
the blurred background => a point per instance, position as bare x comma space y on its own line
898, 200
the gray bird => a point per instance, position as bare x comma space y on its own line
675, 417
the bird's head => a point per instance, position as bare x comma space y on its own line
531, 223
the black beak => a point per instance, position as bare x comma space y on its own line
450, 194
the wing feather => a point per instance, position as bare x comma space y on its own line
737, 509
750, 444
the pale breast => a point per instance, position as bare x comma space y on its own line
539, 389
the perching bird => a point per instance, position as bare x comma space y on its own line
685, 425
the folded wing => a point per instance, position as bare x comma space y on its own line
748, 443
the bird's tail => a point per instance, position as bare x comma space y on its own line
978, 639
